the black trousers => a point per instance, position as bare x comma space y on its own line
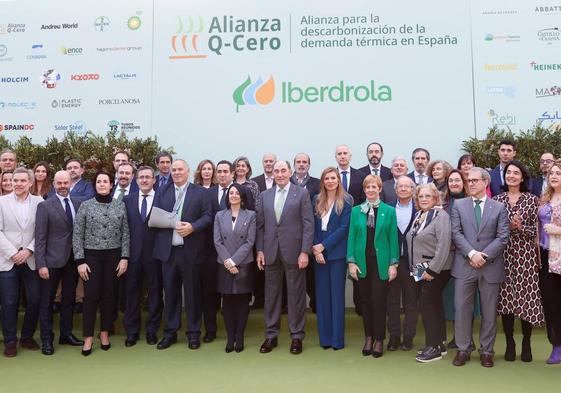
373, 294
177, 274
235, 309
68, 274
211, 298
133, 280
403, 290
101, 289
550, 287
432, 309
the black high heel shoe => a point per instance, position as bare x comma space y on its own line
106, 347
229, 345
87, 352
367, 349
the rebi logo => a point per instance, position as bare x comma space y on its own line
500, 119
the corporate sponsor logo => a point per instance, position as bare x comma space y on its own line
84, 77
17, 127
77, 126
18, 104
552, 91
545, 66
14, 79
508, 91
262, 92
490, 37
12, 28
60, 26
119, 101
117, 49
503, 67
547, 9
102, 24
4, 53
37, 52
549, 115
50, 78
124, 76
501, 119
66, 103
75, 51
225, 34
500, 11
117, 126
134, 23
550, 35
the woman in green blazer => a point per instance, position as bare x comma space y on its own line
372, 257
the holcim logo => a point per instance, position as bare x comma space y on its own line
84, 77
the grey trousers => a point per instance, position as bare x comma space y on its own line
464, 296
296, 296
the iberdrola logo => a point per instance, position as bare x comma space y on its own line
253, 93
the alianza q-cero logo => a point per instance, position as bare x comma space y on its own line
263, 92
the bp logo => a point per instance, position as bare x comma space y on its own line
253, 93
134, 23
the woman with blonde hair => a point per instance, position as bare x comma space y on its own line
332, 208
204, 175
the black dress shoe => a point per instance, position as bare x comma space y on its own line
194, 343
461, 358
209, 337
151, 339
229, 347
167, 342
47, 348
394, 343
70, 340
56, 307
239, 344
296, 346
131, 341
510, 353
78, 308
268, 345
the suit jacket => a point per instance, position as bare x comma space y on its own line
133, 188
388, 194
157, 183
260, 180
537, 184
311, 184
385, 239
385, 172
496, 182
412, 176
82, 191
401, 236
53, 233
334, 240
295, 231
355, 187
141, 235
196, 210
432, 244
235, 243
491, 238
15, 234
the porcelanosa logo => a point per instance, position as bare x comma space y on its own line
549, 36
263, 92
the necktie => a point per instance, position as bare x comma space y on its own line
421, 177
502, 177
375, 171
162, 181
280, 203
144, 208
477, 210
222, 204
121, 194
345, 181
177, 207
68, 211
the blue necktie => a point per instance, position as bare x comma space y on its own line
144, 208
162, 181
222, 204
344, 181
68, 211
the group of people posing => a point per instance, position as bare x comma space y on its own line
449, 244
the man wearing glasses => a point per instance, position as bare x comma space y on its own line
539, 183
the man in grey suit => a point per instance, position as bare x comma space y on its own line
399, 168
285, 232
54, 260
480, 232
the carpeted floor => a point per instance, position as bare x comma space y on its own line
142, 368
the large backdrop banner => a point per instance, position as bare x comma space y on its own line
221, 78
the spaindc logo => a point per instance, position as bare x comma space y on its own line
102, 24
17, 127
50, 78
501, 119
254, 93
37, 52
550, 35
185, 41
548, 92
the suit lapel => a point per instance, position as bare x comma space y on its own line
380, 220
469, 213
59, 210
487, 211
290, 197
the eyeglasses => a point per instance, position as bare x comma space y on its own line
473, 181
546, 161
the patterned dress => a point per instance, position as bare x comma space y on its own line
520, 293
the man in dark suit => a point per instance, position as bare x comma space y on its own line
374, 154
480, 230
399, 168
351, 178
126, 183
285, 233
539, 183
79, 188
403, 290
55, 262
8, 160
506, 152
266, 180
163, 163
139, 205
182, 253
420, 158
